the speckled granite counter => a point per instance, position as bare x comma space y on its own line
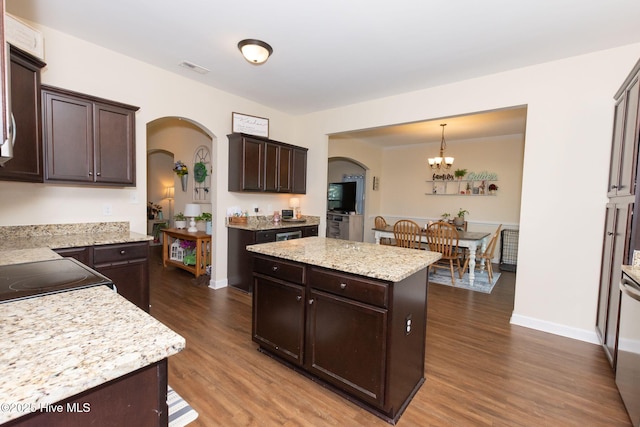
26, 243
633, 272
366, 259
57, 346
266, 223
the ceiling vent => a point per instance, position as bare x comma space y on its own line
193, 67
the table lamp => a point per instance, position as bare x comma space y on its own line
192, 210
169, 193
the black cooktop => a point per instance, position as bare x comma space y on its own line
19, 281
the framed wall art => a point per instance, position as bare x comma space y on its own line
243, 123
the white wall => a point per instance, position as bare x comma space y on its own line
566, 159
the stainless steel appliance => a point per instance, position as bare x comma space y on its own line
288, 235
26, 280
628, 366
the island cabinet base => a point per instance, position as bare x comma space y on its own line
136, 399
363, 338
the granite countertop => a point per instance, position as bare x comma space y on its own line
632, 272
59, 345
27, 243
382, 262
266, 223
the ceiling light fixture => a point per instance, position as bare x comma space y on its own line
255, 51
436, 162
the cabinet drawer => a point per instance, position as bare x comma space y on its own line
288, 271
265, 236
353, 287
119, 253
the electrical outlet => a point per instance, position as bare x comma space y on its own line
107, 209
133, 198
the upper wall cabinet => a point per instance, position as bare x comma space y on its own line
87, 139
263, 165
26, 164
624, 150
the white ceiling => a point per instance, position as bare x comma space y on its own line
332, 53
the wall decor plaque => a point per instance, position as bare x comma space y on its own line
243, 123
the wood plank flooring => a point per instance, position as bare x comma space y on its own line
480, 370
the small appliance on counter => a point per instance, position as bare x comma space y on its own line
287, 216
31, 279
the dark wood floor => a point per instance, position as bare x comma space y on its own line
480, 370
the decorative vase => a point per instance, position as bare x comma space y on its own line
184, 179
181, 224
209, 228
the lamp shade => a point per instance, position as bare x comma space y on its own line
294, 202
169, 192
192, 210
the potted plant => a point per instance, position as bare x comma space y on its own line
459, 220
493, 188
445, 217
180, 220
207, 218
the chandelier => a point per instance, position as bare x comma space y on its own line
437, 162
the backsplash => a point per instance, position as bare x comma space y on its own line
44, 230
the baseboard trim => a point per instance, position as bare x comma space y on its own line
555, 328
218, 284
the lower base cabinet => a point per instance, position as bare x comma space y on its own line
135, 399
126, 264
361, 337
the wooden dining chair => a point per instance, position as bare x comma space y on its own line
443, 237
487, 255
381, 224
407, 234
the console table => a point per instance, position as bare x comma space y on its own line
202, 249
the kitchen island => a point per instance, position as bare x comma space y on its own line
349, 315
83, 357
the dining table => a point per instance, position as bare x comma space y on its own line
471, 240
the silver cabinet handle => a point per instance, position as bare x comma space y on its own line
299, 298
13, 130
122, 252
343, 286
311, 301
274, 268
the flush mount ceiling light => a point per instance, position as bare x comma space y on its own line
437, 162
255, 51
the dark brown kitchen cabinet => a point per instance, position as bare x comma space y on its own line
240, 261
278, 309
263, 165
622, 227
5, 107
87, 139
126, 264
26, 164
615, 252
624, 147
278, 168
362, 337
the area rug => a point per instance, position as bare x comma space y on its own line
180, 413
480, 283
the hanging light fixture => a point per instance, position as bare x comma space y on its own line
255, 51
437, 162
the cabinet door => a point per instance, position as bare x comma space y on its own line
310, 231
615, 252
347, 345
26, 164
271, 152
114, 141
68, 133
131, 280
252, 165
5, 108
285, 157
299, 172
278, 317
624, 150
